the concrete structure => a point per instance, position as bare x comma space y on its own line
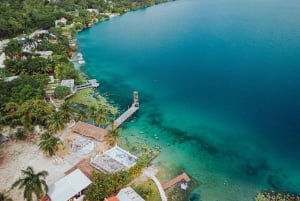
128, 194
113, 160
68, 83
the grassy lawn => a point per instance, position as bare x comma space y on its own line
88, 97
148, 191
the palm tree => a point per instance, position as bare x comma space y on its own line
56, 121
4, 197
113, 134
66, 109
81, 116
33, 184
92, 113
101, 116
49, 143
13, 49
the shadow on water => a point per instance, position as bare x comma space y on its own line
195, 197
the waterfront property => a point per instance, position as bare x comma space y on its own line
69, 187
113, 160
89, 130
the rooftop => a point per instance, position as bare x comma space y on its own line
68, 83
128, 194
84, 166
112, 198
68, 186
89, 130
113, 160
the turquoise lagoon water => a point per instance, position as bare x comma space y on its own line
219, 84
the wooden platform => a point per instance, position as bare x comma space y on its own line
182, 177
90, 84
128, 113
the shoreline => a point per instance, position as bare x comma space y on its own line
159, 171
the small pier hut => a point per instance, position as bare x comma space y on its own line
183, 178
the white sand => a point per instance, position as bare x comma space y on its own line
15, 156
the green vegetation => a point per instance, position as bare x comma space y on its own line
33, 184
103, 185
148, 190
84, 97
113, 135
20, 135
19, 17
61, 92
4, 197
278, 196
49, 143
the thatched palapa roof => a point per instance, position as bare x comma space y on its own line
89, 130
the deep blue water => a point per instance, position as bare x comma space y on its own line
219, 83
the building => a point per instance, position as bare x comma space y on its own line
113, 160
68, 83
125, 194
61, 21
89, 130
69, 187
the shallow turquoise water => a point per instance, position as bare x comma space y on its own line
219, 85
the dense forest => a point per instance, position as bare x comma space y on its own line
24, 16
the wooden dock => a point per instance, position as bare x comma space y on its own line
183, 177
90, 84
128, 113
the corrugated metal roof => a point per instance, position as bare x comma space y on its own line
68, 186
128, 194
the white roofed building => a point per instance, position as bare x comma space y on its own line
128, 194
69, 186
68, 83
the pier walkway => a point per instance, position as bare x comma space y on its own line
90, 84
128, 113
183, 177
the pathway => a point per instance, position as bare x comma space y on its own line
151, 175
